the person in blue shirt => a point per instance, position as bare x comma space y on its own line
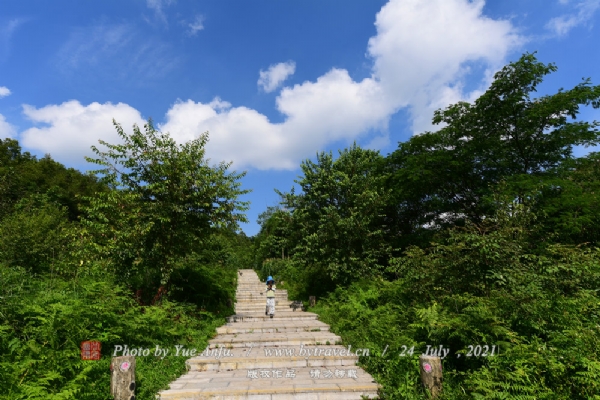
270, 297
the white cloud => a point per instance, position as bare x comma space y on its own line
420, 56
236, 134
333, 108
71, 128
196, 25
99, 50
4, 91
270, 79
158, 7
7, 30
421, 47
585, 10
6, 129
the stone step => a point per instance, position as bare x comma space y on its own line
262, 300
262, 303
230, 385
272, 325
262, 307
260, 296
275, 339
282, 316
267, 357
257, 291
252, 282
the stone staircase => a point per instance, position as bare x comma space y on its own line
254, 357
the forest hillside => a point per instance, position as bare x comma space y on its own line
481, 237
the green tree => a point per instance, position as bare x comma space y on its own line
164, 200
441, 178
567, 205
273, 240
337, 222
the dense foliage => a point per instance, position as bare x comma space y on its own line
22, 174
45, 319
165, 201
145, 256
484, 232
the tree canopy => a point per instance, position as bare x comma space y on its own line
441, 178
176, 198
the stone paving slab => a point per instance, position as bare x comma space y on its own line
282, 316
257, 310
238, 382
262, 361
273, 326
275, 339
279, 306
261, 298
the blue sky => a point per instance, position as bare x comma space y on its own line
274, 82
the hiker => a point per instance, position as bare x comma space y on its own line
270, 297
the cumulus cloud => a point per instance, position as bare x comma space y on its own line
6, 129
421, 55
421, 48
584, 11
333, 108
70, 128
4, 91
270, 79
236, 134
196, 25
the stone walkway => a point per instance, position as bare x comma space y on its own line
254, 357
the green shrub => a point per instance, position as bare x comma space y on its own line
540, 310
44, 321
33, 236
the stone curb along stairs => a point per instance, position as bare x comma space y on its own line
239, 365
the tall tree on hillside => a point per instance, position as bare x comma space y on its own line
337, 217
442, 177
273, 239
165, 200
